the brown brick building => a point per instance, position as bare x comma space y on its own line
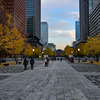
17, 8
2, 11
59, 53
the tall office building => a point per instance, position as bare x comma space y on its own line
33, 22
94, 23
85, 7
52, 46
77, 30
84, 19
2, 11
44, 33
17, 9
92, 4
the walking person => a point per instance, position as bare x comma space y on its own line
25, 63
32, 63
61, 59
16, 61
45, 61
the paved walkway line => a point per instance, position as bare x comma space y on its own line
58, 81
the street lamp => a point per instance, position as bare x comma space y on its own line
78, 55
42, 55
72, 52
33, 51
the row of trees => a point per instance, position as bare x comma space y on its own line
37, 51
12, 42
91, 47
68, 51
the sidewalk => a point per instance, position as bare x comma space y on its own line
59, 81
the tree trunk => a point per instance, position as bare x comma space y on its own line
97, 57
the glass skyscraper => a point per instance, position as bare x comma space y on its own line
92, 4
77, 29
85, 7
94, 23
17, 9
33, 21
44, 34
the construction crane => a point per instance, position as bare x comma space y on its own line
76, 17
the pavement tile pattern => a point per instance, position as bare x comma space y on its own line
90, 71
18, 68
58, 81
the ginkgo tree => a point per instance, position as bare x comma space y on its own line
48, 51
38, 51
68, 50
28, 50
80, 46
10, 38
93, 46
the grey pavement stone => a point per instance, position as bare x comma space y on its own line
58, 81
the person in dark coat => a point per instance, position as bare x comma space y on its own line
32, 63
61, 59
25, 63
47, 61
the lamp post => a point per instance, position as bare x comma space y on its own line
42, 55
78, 55
66, 55
33, 52
72, 52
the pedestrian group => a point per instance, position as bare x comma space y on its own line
25, 63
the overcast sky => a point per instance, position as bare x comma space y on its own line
59, 14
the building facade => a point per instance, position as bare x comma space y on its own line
44, 33
17, 9
2, 11
86, 7
77, 30
59, 53
33, 22
52, 46
94, 21
92, 4
84, 19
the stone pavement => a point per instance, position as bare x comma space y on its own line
59, 81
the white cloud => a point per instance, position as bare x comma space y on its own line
62, 33
58, 25
59, 14
52, 4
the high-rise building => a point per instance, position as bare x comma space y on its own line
92, 4
44, 33
52, 46
84, 19
2, 11
33, 22
94, 23
77, 30
85, 7
17, 9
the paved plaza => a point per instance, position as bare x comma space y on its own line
58, 81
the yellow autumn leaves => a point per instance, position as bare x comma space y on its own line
12, 42
68, 51
92, 46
